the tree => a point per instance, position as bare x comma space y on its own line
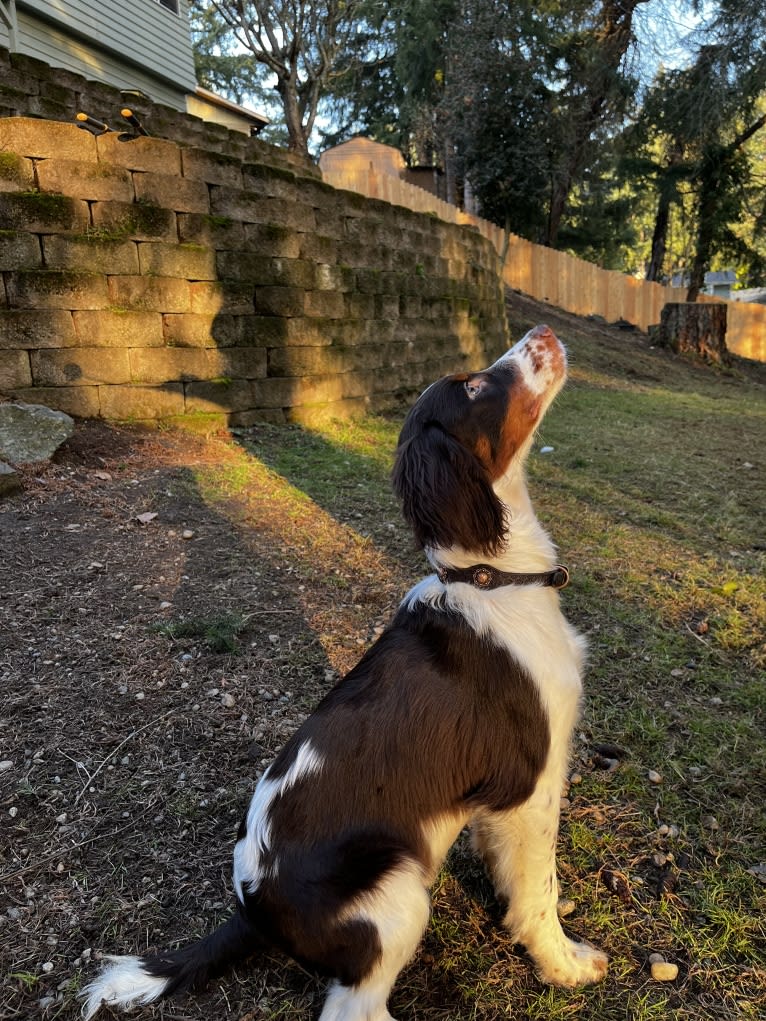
220, 64
298, 42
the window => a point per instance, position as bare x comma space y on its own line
171, 5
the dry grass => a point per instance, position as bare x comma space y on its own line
134, 745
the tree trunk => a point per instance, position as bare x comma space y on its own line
699, 329
659, 239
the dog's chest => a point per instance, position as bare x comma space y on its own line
536, 633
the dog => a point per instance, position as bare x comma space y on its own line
461, 713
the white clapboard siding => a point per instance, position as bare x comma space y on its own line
127, 43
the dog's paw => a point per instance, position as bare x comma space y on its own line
573, 964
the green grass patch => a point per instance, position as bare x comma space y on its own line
217, 632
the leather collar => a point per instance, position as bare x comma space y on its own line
482, 576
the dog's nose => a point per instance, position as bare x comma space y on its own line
540, 338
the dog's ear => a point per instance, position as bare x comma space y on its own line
446, 494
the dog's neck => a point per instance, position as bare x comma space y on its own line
526, 547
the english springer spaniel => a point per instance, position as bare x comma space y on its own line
461, 713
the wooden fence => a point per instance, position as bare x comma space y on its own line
561, 279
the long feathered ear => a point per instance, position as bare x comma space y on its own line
446, 494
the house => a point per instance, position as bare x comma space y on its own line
717, 282
142, 47
361, 154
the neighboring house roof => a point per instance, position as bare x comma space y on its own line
754, 294
713, 278
359, 153
228, 113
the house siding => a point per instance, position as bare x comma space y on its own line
127, 43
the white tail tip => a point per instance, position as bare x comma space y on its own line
124, 983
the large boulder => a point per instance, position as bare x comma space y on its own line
31, 432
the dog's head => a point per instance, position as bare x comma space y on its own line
465, 433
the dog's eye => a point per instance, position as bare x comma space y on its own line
472, 389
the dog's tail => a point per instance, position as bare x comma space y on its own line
132, 981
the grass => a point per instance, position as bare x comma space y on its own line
218, 632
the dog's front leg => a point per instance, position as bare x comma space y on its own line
519, 847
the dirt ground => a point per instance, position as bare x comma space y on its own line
92, 686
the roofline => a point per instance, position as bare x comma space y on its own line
226, 104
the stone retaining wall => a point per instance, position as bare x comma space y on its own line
149, 281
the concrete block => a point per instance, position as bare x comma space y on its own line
358, 306
309, 361
213, 297
333, 278
39, 139
20, 250
318, 248
187, 329
258, 331
273, 239
272, 181
169, 192
211, 167
42, 213
85, 366
34, 328
90, 253
245, 419
65, 289
275, 393
141, 403
251, 208
77, 401
14, 369
152, 155
150, 294
328, 304
212, 396
185, 261
81, 180
333, 411
265, 270
279, 301
218, 232
16, 172
236, 363
110, 328
161, 365
139, 221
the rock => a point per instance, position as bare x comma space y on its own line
664, 971
654, 776
32, 432
227, 700
10, 480
565, 907
656, 959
